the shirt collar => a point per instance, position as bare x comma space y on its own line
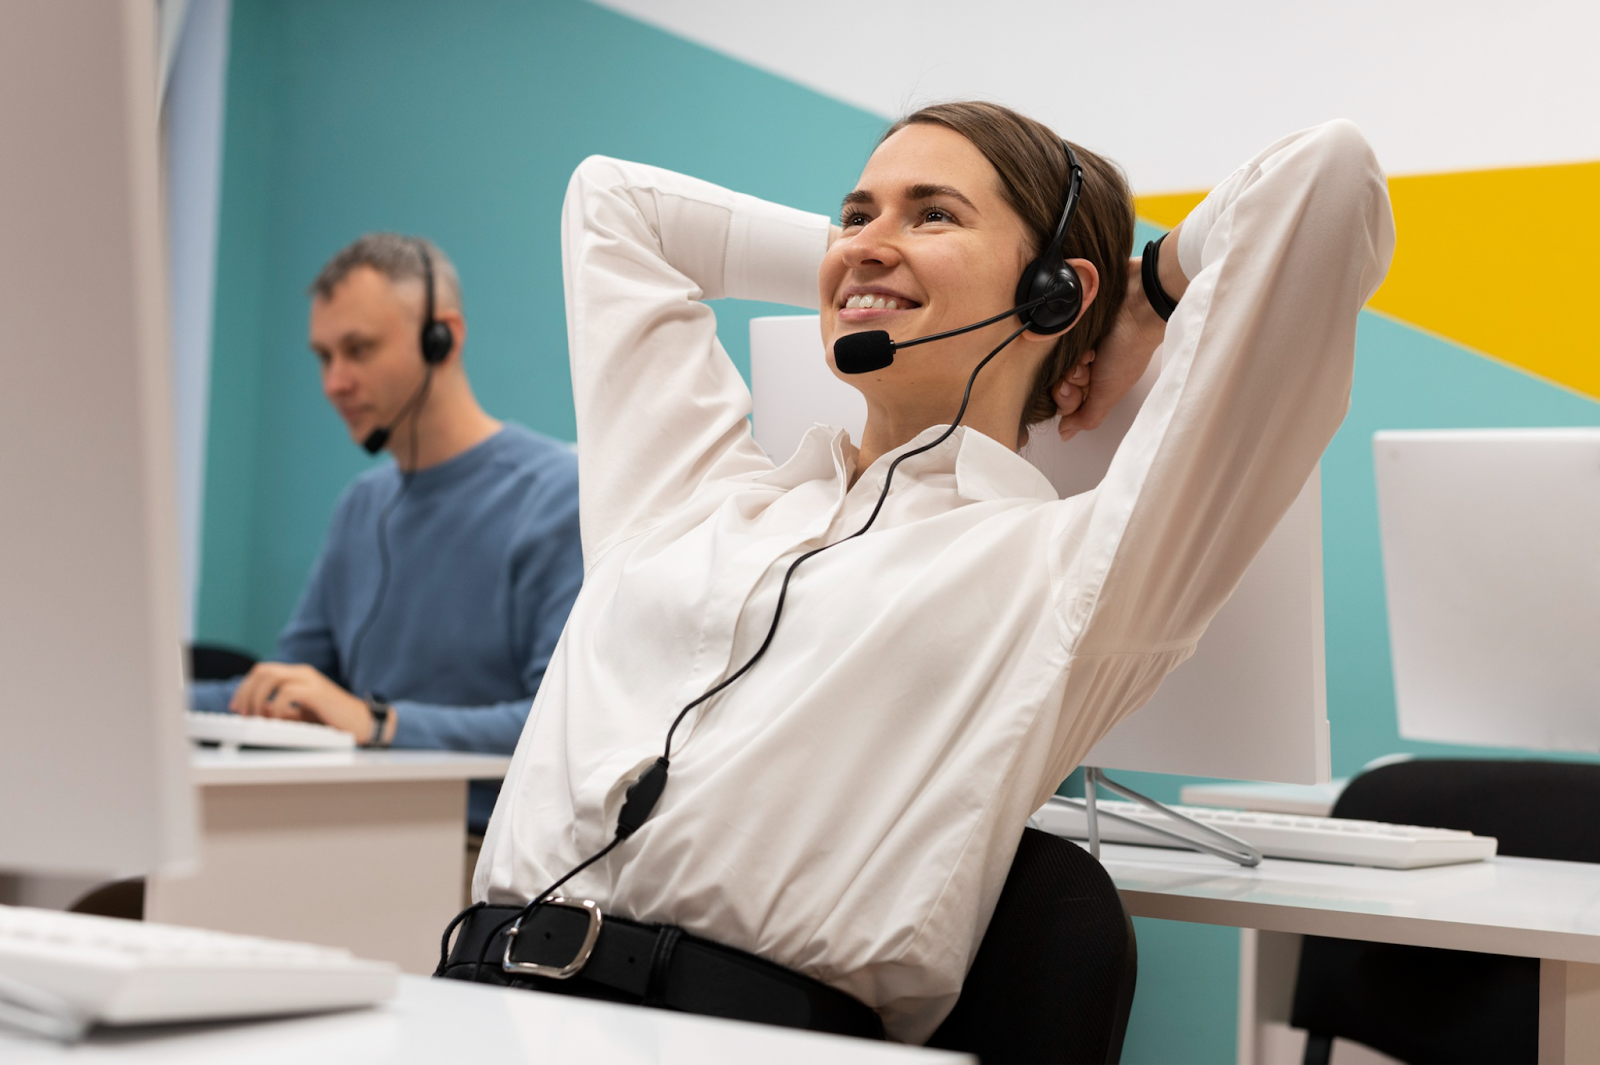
984, 469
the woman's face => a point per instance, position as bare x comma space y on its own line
929, 244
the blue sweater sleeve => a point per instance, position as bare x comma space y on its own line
547, 571
308, 637
212, 696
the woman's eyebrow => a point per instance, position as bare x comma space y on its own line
933, 192
859, 196
919, 191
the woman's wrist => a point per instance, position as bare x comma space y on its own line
1138, 304
1169, 271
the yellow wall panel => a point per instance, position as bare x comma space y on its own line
1167, 209
1505, 262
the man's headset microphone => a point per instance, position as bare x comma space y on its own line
437, 342
1049, 296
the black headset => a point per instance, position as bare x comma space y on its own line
437, 343
437, 340
1049, 283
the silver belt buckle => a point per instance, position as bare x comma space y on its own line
573, 967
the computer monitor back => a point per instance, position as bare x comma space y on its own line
1491, 560
94, 771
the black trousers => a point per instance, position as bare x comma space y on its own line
647, 965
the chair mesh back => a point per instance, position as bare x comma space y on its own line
1053, 979
1421, 1004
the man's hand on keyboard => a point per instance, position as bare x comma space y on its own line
302, 693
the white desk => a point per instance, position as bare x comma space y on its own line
356, 849
1520, 906
440, 1022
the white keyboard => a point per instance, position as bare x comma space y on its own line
60, 972
1310, 839
233, 731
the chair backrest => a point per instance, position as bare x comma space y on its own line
1536, 809
1053, 979
1424, 1004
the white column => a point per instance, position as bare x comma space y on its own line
192, 113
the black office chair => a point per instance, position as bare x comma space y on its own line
213, 661
1422, 1004
1053, 980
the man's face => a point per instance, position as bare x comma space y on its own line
365, 337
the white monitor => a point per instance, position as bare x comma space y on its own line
1491, 562
1250, 705
94, 767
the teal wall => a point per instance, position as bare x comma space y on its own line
462, 122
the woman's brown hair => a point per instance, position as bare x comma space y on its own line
1032, 164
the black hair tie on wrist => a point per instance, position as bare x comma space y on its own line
1160, 302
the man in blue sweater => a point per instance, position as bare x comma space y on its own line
446, 575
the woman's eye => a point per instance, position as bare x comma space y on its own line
937, 214
851, 221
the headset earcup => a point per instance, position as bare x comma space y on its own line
1059, 287
437, 341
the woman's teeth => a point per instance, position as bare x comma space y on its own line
871, 302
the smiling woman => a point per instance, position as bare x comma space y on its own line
866, 667
1010, 179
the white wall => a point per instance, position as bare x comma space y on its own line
1180, 93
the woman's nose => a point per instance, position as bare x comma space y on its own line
873, 245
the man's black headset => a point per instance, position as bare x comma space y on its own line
1049, 298
437, 342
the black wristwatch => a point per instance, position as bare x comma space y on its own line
380, 709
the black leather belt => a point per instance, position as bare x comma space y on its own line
571, 948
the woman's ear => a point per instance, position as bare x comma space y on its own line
1089, 281
1088, 284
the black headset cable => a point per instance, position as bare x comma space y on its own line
412, 410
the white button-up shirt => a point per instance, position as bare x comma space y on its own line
851, 806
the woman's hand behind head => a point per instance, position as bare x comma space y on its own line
1105, 374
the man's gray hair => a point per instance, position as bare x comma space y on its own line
395, 256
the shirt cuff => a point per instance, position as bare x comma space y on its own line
774, 252
1197, 226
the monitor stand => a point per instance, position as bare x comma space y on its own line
1200, 837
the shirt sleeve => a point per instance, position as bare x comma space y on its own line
1256, 372
661, 410
547, 572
